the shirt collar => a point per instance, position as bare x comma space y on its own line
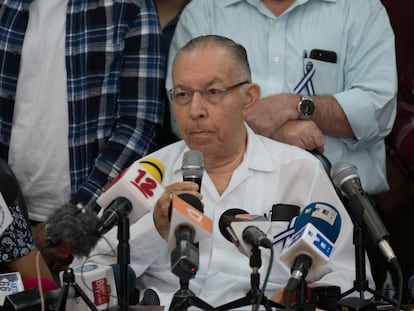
257, 157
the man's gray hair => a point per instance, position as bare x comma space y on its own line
236, 50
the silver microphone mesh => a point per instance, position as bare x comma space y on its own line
193, 164
343, 171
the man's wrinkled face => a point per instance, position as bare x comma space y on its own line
209, 99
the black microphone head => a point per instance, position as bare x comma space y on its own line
343, 171
225, 221
76, 224
193, 166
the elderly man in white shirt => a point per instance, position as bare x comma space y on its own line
212, 93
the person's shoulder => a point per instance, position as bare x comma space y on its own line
169, 150
169, 154
284, 151
369, 4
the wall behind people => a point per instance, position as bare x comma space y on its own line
397, 204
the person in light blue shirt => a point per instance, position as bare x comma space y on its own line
338, 53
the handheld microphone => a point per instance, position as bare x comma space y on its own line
139, 184
345, 177
244, 230
193, 167
188, 225
316, 231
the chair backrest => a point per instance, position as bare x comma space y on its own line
325, 162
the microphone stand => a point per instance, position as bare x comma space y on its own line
68, 280
254, 293
302, 298
360, 282
184, 297
123, 261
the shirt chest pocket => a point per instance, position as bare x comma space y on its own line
325, 79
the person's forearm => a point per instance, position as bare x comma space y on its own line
330, 117
26, 265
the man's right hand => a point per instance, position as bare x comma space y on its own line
161, 210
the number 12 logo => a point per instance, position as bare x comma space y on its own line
145, 185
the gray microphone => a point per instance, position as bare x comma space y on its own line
193, 167
344, 175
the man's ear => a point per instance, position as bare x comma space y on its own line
252, 96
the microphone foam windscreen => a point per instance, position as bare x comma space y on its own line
76, 224
323, 216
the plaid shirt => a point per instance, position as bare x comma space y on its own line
115, 75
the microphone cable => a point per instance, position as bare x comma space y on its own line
39, 283
287, 299
269, 268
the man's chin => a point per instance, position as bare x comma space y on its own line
202, 146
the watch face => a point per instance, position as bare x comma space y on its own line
306, 108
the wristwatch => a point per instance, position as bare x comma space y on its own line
306, 108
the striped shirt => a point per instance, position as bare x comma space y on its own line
115, 75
